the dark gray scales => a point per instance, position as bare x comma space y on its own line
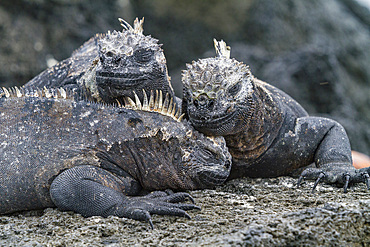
267, 132
98, 159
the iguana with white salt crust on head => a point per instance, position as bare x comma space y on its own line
267, 132
108, 67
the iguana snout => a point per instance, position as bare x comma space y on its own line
206, 160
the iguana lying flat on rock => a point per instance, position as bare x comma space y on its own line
92, 158
267, 132
109, 66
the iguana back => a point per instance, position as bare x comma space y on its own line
43, 133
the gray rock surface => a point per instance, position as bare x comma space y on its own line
245, 212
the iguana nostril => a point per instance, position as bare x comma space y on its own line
203, 100
227, 164
118, 59
211, 104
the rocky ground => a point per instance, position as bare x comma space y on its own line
247, 212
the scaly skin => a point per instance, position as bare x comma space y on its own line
267, 132
92, 158
108, 67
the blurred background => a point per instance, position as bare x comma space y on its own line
318, 51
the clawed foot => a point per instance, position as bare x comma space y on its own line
158, 202
338, 174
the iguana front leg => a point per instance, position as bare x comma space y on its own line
332, 155
90, 190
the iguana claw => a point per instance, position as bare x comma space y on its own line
346, 177
317, 181
333, 175
151, 223
161, 203
366, 177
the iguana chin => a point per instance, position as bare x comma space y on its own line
108, 67
267, 132
92, 158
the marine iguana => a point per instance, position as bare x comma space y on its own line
92, 158
108, 67
267, 132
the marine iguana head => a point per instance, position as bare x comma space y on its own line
218, 93
191, 160
127, 60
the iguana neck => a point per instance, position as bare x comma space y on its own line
264, 120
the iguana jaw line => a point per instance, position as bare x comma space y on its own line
213, 175
213, 122
121, 82
127, 78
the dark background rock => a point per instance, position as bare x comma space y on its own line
318, 51
34, 33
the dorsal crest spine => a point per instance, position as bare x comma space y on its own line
155, 104
138, 25
222, 50
15, 92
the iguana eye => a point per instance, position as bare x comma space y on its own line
109, 54
234, 89
143, 55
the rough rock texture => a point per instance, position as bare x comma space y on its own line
34, 34
245, 212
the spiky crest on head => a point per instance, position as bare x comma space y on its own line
222, 50
125, 42
212, 76
138, 25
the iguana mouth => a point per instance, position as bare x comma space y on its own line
128, 76
212, 122
123, 80
215, 175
